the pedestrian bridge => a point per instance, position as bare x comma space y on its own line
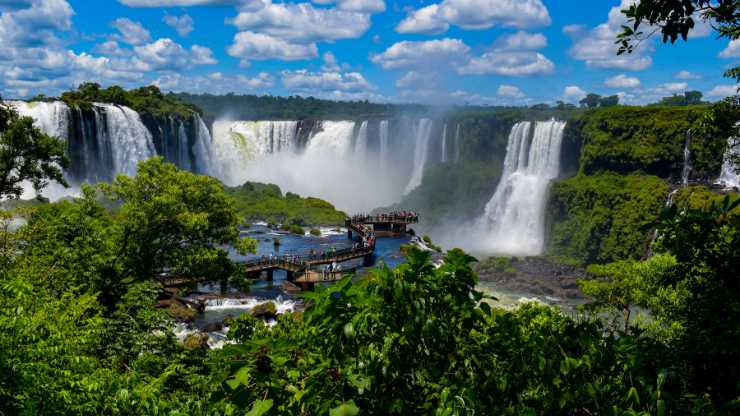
299, 268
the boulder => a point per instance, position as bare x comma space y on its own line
196, 341
181, 312
266, 310
213, 327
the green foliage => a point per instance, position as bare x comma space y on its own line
268, 107
599, 219
27, 154
78, 333
649, 140
499, 264
419, 340
262, 202
595, 100
175, 221
315, 232
721, 121
619, 288
429, 243
688, 98
701, 197
706, 244
148, 99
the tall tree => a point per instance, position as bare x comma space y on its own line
592, 100
27, 154
175, 221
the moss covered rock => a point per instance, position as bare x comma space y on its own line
197, 341
266, 310
181, 312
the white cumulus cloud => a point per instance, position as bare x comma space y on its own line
522, 41
304, 81
722, 91
622, 81
302, 22
687, 75
732, 50
406, 54
475, 15
573, 93
181, 3
514, 64
361, 6
183, 25
258, 46
131, 32
166, 54
596, 46
509, 91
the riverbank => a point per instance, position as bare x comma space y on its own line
514, 280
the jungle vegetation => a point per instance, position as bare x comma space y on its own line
266, 202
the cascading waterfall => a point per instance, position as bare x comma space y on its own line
50, 117
129, 139
183, 156
686, 171
514, 218
203, 148
384, 150
361, 143
729, 177
457, 144
421, 151
444, 144
354, 165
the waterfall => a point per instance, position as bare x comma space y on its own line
384, 151
514, 218
335, 138
258, 138
729, 177
421, 150
183, 150
457, 144
51, 118
203, 149
129, 139
361, 143
686, 171
444, 144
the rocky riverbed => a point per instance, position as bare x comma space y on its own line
514, 280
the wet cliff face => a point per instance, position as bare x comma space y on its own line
91, 158
173, 137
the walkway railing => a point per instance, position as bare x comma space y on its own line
293, 263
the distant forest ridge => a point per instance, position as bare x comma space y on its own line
267, 107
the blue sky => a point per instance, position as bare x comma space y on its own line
497, 52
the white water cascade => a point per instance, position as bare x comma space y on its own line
423, 132
50, 117
130, 141
729, 177
444, 144
203, 149
457, 144
384, 152
361, 144
686, 170
514, 218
